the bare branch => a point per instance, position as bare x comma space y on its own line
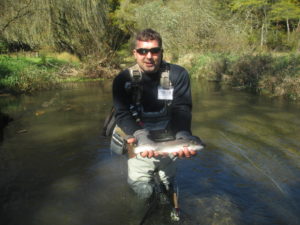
20, 14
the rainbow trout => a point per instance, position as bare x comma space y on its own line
169, 146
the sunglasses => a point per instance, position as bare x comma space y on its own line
144, 51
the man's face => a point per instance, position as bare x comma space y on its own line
149, 61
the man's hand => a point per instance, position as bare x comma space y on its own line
141, 138
144, 154
131, 140
186, 151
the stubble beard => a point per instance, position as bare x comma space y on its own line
152, 69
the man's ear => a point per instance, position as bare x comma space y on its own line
134, 53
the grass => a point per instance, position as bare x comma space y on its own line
276, 75
267, 74
29, 74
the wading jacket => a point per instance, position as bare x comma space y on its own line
180, 108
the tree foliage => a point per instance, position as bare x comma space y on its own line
185, 25
88, 27
81, 27
286, 10
263, 12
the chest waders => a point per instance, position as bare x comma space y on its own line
156, 122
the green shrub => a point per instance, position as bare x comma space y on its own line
274, 75
211, 66
248, 70
21, 74
3, 47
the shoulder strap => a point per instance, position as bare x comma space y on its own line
136, 77
109, 123
135, 73
136, 87
165, 82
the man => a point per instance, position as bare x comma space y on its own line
154, 108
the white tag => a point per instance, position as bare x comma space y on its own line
165, 94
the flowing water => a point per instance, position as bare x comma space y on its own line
57, 169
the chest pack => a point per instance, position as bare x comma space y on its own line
135, 87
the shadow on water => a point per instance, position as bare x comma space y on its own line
4, 120
257, 144
219, 194
6, 101
57, 169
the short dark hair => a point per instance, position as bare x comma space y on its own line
146, 35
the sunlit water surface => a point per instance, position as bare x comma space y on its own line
57, 169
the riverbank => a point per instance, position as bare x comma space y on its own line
273, 75
27, 74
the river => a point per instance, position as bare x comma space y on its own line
57, 169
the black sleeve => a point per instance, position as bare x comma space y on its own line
121, 101
182, 100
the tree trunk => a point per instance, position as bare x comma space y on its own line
264, 28
288, 29
298, 30
262, 35
298, 26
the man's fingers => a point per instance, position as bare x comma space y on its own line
183, 153
186, 152
144, 154
150, 154
131, 140
156, 154
180, 154
165, 154
193, 152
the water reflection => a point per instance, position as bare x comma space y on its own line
251, 138
57, 169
